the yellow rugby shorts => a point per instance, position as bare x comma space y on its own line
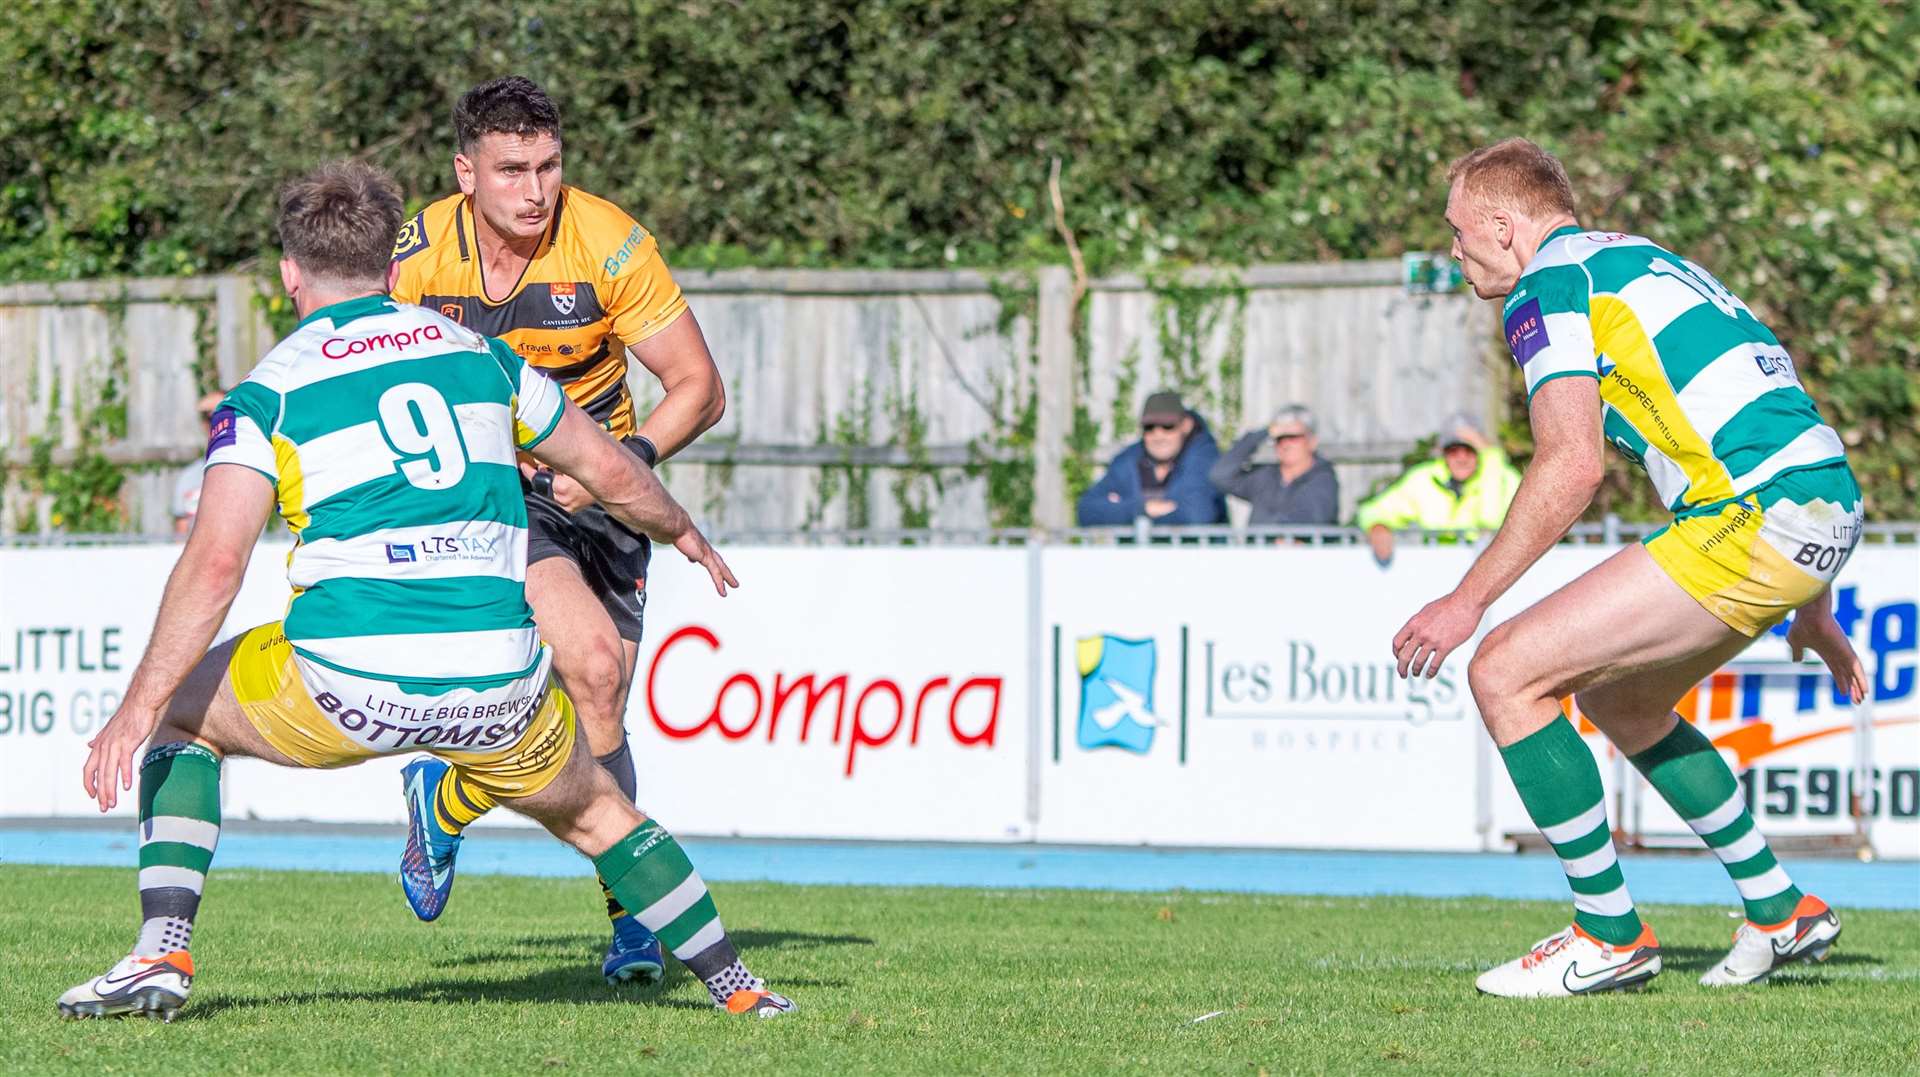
274, 696
1752, 561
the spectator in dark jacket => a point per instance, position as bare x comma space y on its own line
1163, 476
1290, 483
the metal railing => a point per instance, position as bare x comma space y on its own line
1609, 532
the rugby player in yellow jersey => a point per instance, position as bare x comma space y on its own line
1625, 342
573, 284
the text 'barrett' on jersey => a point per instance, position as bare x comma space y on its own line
597, 284
389, 433
1696, 390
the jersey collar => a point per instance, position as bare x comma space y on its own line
1563, 230
348, 309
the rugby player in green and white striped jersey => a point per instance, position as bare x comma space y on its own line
1624, 342
386, 435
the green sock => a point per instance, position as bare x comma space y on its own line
649, 874
1686, 770
179, 828
1560, 785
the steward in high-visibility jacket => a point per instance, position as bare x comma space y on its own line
1467, 488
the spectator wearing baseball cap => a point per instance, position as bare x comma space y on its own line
1280, 473
1466, 488
1163, 476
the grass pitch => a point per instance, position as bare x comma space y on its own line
311, 972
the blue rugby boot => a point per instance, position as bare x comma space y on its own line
634, 954
426, 867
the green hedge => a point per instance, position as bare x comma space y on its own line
1780, 146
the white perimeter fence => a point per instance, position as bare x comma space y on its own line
1221, 692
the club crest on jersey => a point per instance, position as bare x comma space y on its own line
562, 297
1526, 332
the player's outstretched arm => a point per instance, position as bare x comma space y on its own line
627, 489
1558, 486
234, 504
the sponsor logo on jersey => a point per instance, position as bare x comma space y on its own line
1526, 332
455, 311
223, 429
562, 297
401, 553
343, 347
618, 260
412, 238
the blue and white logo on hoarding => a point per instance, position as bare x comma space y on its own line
1116, 693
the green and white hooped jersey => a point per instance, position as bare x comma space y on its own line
1696, 390
389, 433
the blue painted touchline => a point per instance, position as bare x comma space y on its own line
1658, 879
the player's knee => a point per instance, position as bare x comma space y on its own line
1491, 674
594, 680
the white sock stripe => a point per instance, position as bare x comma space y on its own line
185, 878
1721, 817
678, 900
701, 939
1764, 885
1745, 847
1577, 827
1580, 867
179, 828
1615, 902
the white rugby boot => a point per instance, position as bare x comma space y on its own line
154, 986
1759, 949
1575, 963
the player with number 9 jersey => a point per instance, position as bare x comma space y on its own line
389, 433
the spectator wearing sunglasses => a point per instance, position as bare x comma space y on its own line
1163, 476
1280, 473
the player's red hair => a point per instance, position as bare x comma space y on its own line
1515, 172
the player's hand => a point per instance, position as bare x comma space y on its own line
1819, 632
571, 495
109, 766
692, 543
1441, 626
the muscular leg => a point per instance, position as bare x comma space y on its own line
588, 653
1683, 766
1625, 617
646, 869
180, 800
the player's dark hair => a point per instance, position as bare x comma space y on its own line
338, 221
1516, 172
510, 105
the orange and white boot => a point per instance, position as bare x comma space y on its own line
1575, 963
154, 986
757, 1003
1759, 949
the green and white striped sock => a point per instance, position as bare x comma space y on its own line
1560, 785
650, 875
1687, 770
179, 827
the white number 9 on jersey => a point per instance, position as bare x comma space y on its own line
422, 429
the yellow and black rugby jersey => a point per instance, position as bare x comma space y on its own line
596, 284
